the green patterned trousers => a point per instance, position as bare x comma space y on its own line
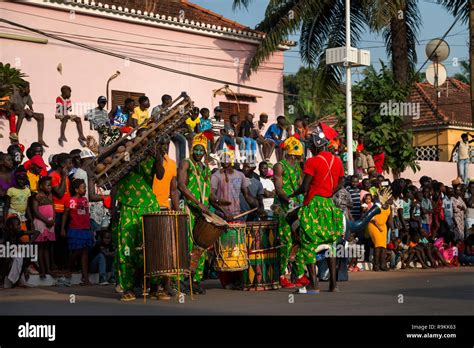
286, 242
321, 222
127, 237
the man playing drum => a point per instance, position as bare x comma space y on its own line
288, 177
194, 182
226, 186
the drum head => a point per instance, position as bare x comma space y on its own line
166, 213
214, 219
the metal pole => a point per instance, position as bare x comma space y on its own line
350, 154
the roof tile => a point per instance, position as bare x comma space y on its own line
453, 104
177, 8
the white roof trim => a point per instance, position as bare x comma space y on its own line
94, 8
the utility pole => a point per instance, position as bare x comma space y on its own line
348, 57
350, 153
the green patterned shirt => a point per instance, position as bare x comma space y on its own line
135, 189
292, 176
199, 182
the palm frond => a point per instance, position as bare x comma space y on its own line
280, 23
379, 13
457, 6
239, 4
326, 29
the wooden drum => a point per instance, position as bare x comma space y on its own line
165, 243
263, 244
208, 229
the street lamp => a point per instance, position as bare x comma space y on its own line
348, 57
114, 76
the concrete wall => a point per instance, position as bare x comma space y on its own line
87, 72
444, 172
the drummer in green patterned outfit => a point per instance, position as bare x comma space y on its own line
288, 176
135, 197
194, 182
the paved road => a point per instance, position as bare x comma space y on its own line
425, 292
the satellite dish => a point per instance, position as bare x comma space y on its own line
431, 74
440, 48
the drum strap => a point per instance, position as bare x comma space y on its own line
202, 190
329, 169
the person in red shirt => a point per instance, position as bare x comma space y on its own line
64, 114
79, 234
35, 149
60, 189
321, 222
379, 159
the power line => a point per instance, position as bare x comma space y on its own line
171, 70
156, 66
197, 46
439, 43
116, 42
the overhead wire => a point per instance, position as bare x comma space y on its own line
101, 51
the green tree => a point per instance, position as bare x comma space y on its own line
304, 100
386, 131
10, 78
463, 76
322, 25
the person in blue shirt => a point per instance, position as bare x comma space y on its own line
277, 133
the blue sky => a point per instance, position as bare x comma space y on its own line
435, 22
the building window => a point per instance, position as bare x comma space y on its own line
118, 97
232, 108
427, 153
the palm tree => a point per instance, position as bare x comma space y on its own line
10, 78
322, 24
463, 76
465, 9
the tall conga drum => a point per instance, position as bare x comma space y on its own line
263, 247
165, 243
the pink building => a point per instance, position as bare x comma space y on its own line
172, 34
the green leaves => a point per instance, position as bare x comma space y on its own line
386, 131
10, 78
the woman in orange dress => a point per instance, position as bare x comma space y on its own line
378, 233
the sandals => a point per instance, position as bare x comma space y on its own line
160, 295
127, 297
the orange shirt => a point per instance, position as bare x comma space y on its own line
161, 188
58, 203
